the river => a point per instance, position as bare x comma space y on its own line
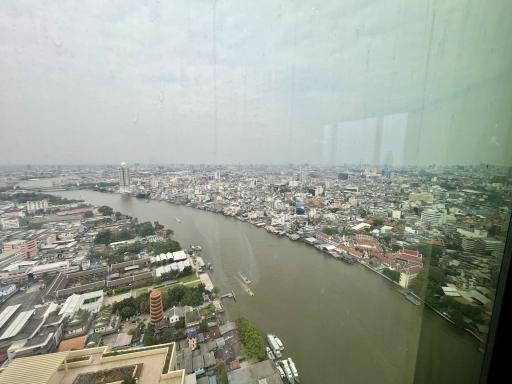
340, 323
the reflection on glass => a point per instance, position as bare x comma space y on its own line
334, 176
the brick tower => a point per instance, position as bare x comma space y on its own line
156, 310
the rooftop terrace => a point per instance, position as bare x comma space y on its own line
154, 366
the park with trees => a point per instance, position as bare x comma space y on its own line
253, 346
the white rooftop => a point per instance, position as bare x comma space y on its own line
7, 314
17, 324
47, 267
179, 255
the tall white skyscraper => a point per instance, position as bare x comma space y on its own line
124, 178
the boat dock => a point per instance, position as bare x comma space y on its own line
229, 295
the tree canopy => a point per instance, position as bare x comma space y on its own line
253, 344
163, 247
105, 210
392, 274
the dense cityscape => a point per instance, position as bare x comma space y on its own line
270, 192
96, 284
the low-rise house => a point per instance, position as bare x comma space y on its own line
175, 314
78, 324
192, 318
106, 322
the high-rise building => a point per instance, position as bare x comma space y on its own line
27, 248
156, 310
433, 217
299, 208
159, 366
124, 178
34, 206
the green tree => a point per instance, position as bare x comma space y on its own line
123, 234
145, 229
253, 345
163, 247
104, 237
221, 373
105, 210
436, 275
143, 303
129, 380
180, 324
187, 271
127, 312
203, 327
419, 284
329, 231
392, 274
167, 335
158, 226
149, 336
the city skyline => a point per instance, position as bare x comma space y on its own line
280, 191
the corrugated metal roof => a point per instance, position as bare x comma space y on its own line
17, 324
7, 313
33, 370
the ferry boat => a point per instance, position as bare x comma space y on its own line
295, 373
246, 288
281, 372
270, 355
279, 343
273, 345
245, 279
287, 370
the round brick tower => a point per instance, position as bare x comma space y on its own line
156, 310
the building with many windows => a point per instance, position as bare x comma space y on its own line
34, 206
9, 222
433, 217
124, 178
27, 248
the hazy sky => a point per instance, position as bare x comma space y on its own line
263, 81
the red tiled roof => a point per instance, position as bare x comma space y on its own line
72, 344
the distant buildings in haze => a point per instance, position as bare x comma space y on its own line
124, 178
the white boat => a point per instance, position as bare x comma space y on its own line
273, 345
245, 279
178, 220
281, 372
287, 370
279, 343
247, 289
270, 355
295, 373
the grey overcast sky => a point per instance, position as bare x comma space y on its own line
268, 81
